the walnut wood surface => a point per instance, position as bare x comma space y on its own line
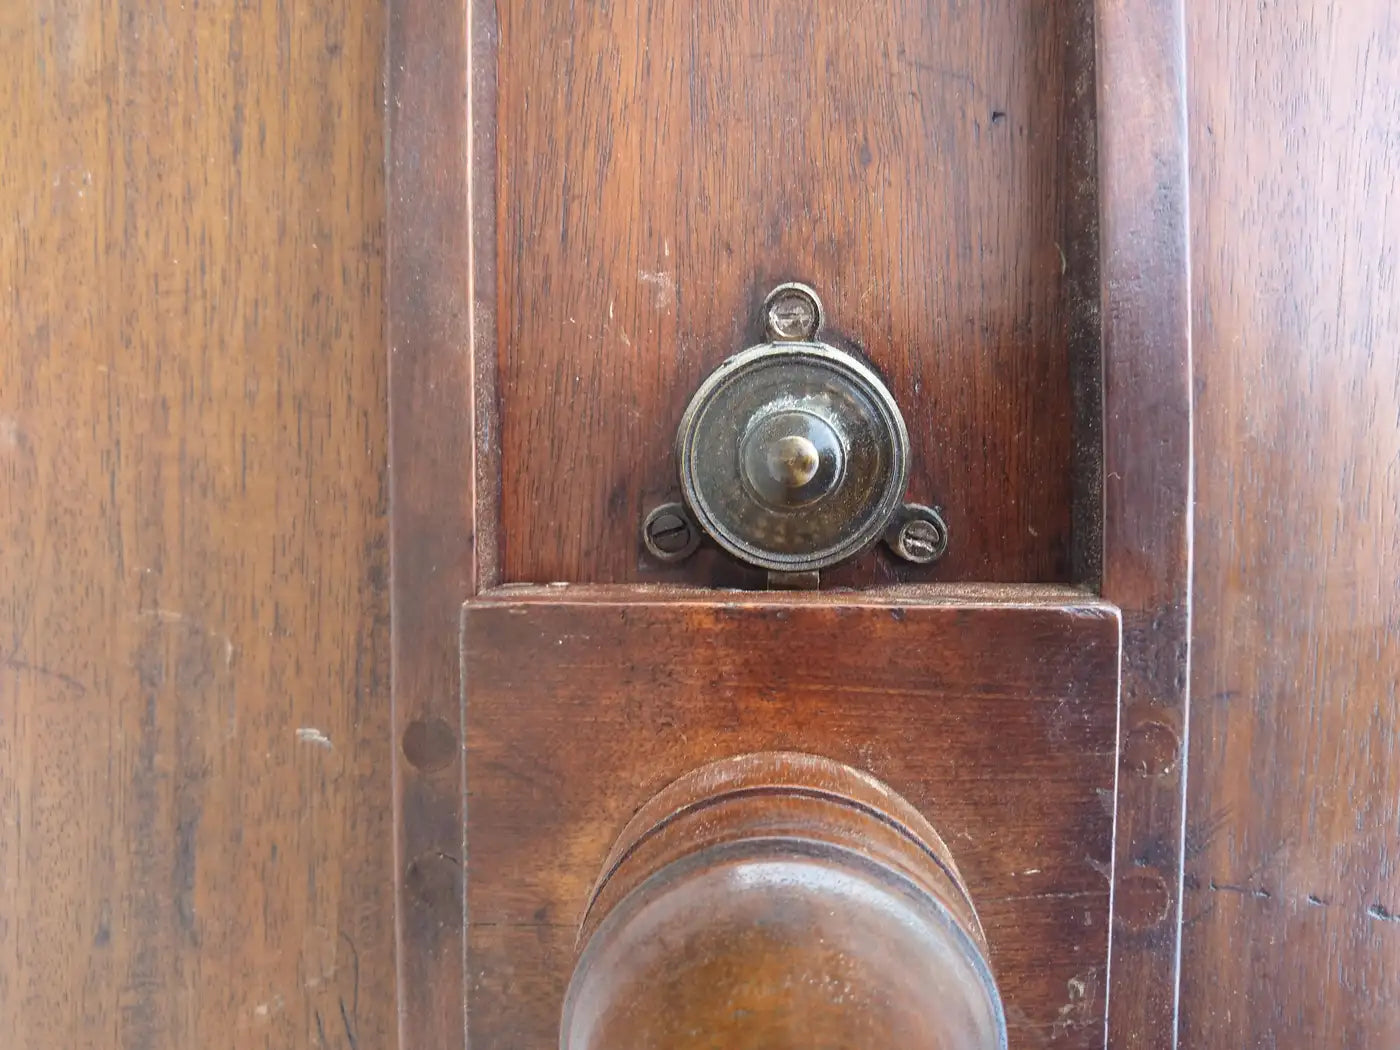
1293, 878
191, 422
1145, 302
578, 711
194, 657
660, 166
432, 473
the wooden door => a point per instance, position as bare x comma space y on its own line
592, 233
198, 791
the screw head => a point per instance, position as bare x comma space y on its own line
920, 539
918, 534
793, 313
669, 533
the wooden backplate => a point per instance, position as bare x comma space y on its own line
525, 445
993, 712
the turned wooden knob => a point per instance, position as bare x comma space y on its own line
781, 902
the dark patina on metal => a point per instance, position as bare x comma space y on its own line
669, 533
793, 454
918, 534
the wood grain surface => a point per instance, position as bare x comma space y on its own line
579, 709
194, 672
928, 168
1293, 877
192, 446
1145, 301
433, 354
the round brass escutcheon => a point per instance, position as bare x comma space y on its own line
793, 454
780, 901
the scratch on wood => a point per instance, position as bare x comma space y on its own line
173, 616
311, 735
1077, 1009
271, 1008
663, 282
1258, 892
349, 1025
45, 672
352, 1021
10, 433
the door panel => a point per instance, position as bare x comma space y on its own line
929, 169
1295, 788
195, 797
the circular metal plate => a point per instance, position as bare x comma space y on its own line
738, 420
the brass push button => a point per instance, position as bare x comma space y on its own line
792, 457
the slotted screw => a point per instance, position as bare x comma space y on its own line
918, 534
920, 539
793, 312
669, 533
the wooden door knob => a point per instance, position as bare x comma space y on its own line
783, 902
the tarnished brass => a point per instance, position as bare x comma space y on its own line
793, 454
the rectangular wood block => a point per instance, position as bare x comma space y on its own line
993, 710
